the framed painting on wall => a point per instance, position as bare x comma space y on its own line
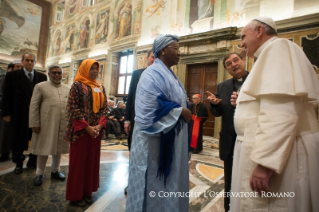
24, 27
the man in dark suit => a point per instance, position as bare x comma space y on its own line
119, 115
17, 91
130, 104
220, 106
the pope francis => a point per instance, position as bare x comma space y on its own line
277, 148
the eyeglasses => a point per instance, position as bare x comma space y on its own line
176, 48
56, 73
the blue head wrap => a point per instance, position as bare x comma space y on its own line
161, 41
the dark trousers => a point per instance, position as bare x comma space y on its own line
115, 127
228, 167
18, 158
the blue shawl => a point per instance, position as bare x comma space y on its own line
158, 92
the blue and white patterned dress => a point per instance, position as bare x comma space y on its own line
143, 181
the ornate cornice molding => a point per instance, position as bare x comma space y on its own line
208, 37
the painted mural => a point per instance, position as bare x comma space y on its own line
57, 43
118, 20
102, 23
69, 41
84, 36
155, 8
100, 77
124, 21
201, 15
20, 22
71, 7
65, 77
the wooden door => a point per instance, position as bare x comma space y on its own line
202, 78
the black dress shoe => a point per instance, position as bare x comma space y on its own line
58, 175
18, 170
88, 199
38, 180
125, 190
80, 203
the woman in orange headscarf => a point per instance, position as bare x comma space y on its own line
87, 109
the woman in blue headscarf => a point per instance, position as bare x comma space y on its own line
160, 144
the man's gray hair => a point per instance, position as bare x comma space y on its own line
54, 66
268, 30
119, 103
31, 54
149, 52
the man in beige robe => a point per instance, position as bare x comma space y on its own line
48, 123
276, 151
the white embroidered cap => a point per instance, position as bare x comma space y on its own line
268, 21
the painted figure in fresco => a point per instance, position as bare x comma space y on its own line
106, 23
57, 44
72, 6
155, 31
84, 33
124, 20
1, 25
205, 8
101, 29
156, 7
176, 28
137, 27
69, 40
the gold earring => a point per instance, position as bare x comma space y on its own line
163, 53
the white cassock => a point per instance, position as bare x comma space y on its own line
276, 124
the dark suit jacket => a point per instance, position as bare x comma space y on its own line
118, 113
226, 110
17, 92
2, 77
130, 104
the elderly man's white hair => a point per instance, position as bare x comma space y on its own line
269, 30
54, 66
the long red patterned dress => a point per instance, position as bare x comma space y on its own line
84, 157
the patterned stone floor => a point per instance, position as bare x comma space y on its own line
17, 192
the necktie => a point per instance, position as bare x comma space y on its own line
30, 77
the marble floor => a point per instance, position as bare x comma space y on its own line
17, 192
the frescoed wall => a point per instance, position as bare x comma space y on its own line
20, 22
101, 31
114, 21
102, 23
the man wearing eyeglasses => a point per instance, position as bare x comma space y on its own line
17, 91
48, 123
220, 105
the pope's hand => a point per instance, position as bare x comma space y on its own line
259, 180
213, 99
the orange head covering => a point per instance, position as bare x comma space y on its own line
83, 76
